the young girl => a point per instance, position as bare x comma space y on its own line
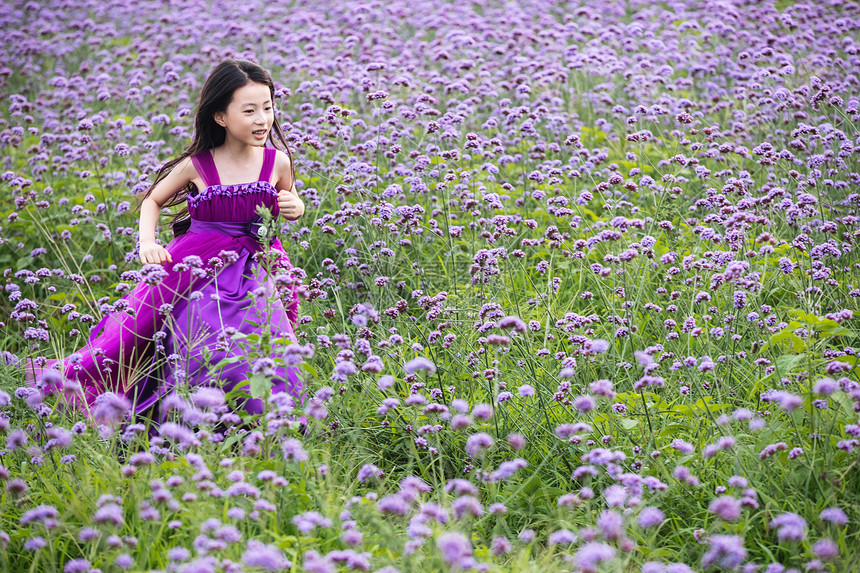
193, 297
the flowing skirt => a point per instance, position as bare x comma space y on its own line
180, 319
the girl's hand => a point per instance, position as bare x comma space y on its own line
153, 253
291, 206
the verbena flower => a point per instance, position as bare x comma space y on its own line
418, 364
110, 407
726, 507
294, 450
265, 557
77, 566
562, 537
454, 547
789, 527
650, 517
369, 471
834, 515
589, 557
208, 398
725, 551
478, 443
826, 549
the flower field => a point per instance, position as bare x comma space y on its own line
580, 288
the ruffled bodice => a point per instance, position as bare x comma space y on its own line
232, 203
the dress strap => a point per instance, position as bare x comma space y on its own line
268, 164
205, 167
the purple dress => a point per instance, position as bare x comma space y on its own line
171, 333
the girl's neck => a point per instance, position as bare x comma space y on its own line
238, 153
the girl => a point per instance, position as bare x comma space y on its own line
180, 319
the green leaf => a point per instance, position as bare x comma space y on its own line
628, 424
532, 484
673, 430
787, 333
837, 330
788, 362
260, 386
229, 360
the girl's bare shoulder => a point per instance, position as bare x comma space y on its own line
282, 160
283, 170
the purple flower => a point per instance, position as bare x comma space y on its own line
124, 561
650, 517
385, 382
603, 387
615, 495
316, 563
584, 403
40, 514
294, 450
392, 504
682, 446
460, 487
35, 543
726, 552
611, 524
368, 471
785, 399
178, 554
208, 398
109, 513
455, 548
562, 537
825, 386
467, 505
110, 407
589, 557
643, 358
183, 436
726, 507
526, 390
305, 522
514, 322
826, 549
500, 546
596, 346
507, 469
516, 441
352, 537
482, 412
152, 274
266, 557
478, 443
77, 566
419, 363
50, 379
834, 515
59, 438
16, 439
789, 527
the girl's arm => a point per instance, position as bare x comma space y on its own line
150, 209
291, 205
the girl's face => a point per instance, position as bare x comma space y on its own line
250, 114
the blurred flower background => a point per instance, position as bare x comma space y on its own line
579, 284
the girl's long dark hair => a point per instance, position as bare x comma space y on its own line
216, 95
